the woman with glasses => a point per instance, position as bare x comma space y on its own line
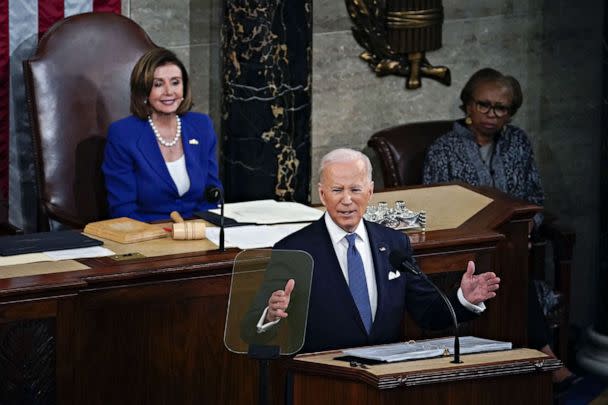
484, 149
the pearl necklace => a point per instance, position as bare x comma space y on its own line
162, 141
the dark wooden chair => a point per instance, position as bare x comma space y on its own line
401, 151
6, 228
78, 83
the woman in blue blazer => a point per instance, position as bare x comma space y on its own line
163, 157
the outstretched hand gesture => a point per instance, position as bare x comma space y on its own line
477, 288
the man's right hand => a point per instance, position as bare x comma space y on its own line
279, 301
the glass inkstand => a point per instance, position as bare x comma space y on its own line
398, 217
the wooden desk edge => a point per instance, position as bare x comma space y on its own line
531, 361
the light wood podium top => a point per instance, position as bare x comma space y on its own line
405, 373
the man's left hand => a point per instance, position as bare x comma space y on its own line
478, 288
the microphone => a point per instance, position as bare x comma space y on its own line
400, 260
214, 195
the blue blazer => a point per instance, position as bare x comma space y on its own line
137, 180
333, 318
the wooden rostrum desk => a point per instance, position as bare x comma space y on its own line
519, 376
150, 330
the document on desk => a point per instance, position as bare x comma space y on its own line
266, 212
252, 236
56, 255
425, 349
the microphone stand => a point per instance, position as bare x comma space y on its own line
216, 195
405, 262
222, 246
456, 359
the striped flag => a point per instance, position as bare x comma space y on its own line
22, 23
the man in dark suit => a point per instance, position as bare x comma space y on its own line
357, 298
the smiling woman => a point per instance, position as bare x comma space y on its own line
161, 158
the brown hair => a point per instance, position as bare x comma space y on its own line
489, 75
142, 79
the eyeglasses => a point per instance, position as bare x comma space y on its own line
485, 107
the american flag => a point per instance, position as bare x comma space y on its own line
22, 23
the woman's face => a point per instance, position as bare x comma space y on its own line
167, 91
490, 108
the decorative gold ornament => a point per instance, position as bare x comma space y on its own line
468, 120
396, 34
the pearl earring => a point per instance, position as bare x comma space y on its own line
468, 120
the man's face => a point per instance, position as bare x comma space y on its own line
345, 191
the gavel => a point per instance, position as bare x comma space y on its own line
186, 230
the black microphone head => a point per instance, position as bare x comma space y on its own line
213, 194
396, 258
401, 260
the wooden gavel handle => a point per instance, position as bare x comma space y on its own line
176, 217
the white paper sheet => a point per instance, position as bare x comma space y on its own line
252, 236
82, 253
265, 212
56, 255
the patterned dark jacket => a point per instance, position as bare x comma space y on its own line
455, 156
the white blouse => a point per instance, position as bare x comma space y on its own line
179, 174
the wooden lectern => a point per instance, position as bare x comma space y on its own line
520, 376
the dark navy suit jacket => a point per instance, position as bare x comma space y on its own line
333, 318
137, 180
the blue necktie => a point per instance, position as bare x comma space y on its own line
357, 283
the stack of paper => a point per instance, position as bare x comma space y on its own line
425, 349
253, 236
265, 212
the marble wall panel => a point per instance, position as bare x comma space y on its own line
166, 21
266, 104
205, 21
455, 9
330, 16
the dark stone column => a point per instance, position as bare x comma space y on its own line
266, 106
593, 355
601, 318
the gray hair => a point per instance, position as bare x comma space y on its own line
344, 155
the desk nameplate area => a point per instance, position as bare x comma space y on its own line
429, 371
127, 256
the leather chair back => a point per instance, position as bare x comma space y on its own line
402, 149
77, 84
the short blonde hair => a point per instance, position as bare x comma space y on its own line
142, 79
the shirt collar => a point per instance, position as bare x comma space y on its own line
337, 234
